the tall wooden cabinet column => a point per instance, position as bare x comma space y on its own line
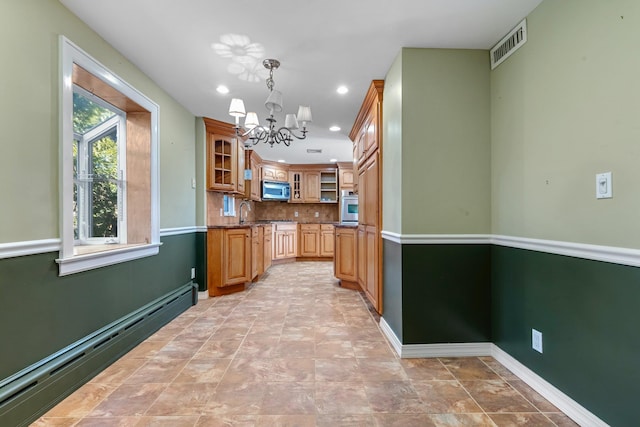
367, 137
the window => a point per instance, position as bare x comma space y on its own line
99, 193
108, 166
229, 205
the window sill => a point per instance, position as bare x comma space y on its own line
89, 261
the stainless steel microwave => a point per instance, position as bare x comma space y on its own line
276, 190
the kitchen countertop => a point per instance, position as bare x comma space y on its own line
277, 221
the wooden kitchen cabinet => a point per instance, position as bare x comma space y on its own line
372, 243
314, 184
285, 241
361, 251
309, 240
257, 247
225, 158
221, 173
311, 186
272, 172
316, 240
228, 260
267, 248
345, 260
368, 199
327, 240
367, 138
345, 177
252, 186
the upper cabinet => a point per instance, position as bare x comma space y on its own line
225, 158
365, 133
345, 177
313, 184
252, 185
272, 172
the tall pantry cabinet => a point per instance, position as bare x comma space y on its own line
366, 135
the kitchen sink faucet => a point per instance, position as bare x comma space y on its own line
243, 203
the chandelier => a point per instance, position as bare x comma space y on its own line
270, 134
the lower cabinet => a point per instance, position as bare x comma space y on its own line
285, 241
368, 261
327, 240
316, 240
372, 288
345, 260
267, 248
309, 240
228, 260
257, 247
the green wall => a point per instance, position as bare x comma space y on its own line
41, 313
588, 314
29, 121
446, 294
436, 180
445, 141
564, 107
392, 147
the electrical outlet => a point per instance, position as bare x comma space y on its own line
295, 213
536, 340
193, 183
221, 212
317, 214
193, 273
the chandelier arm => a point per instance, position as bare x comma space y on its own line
290, 132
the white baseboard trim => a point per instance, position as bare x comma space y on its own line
409, 351
203, 295
391, 336
570, 407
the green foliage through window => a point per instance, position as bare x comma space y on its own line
97, 184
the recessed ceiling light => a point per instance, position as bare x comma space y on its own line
282, 161
333, 160
334, 128
222, 89
342, 90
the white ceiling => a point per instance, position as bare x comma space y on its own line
320, 44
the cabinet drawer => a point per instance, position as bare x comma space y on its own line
327, 227
309, 227
254, 232
284, 227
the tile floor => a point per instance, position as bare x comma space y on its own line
295, 350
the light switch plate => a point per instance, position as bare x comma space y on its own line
603, 186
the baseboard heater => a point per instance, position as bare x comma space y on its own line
28, 394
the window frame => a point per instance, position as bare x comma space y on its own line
69, 261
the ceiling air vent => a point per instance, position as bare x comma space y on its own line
314, 150
509, 44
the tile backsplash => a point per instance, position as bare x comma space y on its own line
262, 211
327, 212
